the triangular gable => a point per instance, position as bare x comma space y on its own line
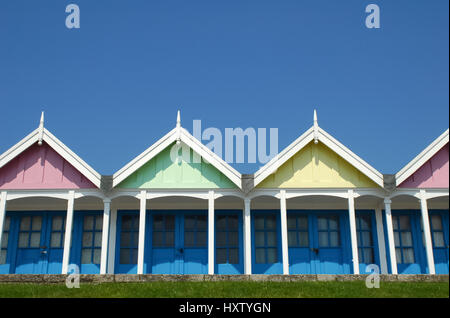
317, 160
317, 166
40, 167
430, 169
214, 174
162, 172
51, 165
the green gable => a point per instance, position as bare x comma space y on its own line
162, 173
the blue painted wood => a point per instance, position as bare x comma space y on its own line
225, 247
418, 265
36, 248
266, 242
440, 248
365, 234
300, 238
177, 242
324, 253
127, 242
6, 248
91, 265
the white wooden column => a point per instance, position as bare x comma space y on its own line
112, 241
381, 242
211, 232
141, 246
105, 236
247, 238
390, 234
427, 232
353, 235
68, 233
3, 196
284, 233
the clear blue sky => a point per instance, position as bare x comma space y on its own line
112, 88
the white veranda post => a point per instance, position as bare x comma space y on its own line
68, 233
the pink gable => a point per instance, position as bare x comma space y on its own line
40, 167
433, 173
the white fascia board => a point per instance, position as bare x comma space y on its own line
421, 158
277, 161
18, 148
56, 145
211, 157
351, 157
72, 158
144, 157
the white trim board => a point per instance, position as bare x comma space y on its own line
322, 136
56, 145
421, 158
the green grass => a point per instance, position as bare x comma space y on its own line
228, 289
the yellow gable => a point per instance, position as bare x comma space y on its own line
317, 166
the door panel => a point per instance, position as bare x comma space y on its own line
195, 247
406, 238
56, 225
179, 243
266, 241
40, 243
440, 240
329, 243
127, 242
316, 244
300, 247
228, 243
163, 240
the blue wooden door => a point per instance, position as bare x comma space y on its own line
367, 240
87, 241
228, 243
40, 243
440, 240
56, 227
165, 255
300, 244
5, 249
266, 238
329, 244
195, 244
408, 242
127, 242
179, 242
317, 242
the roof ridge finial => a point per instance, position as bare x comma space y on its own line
41, 129
316, 128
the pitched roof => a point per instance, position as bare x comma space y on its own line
182, 135
317, 134
421, 158
41, 134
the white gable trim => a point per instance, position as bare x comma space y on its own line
421, 158
166, 141
322, 136
56, 145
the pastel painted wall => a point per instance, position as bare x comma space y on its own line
160, 172
40, 167
432, 174
317, 166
